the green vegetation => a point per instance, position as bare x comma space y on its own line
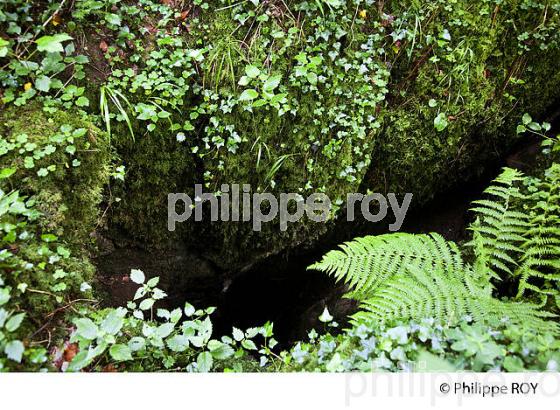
107, 106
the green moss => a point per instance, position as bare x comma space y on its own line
69, 195
361, 97
61, 164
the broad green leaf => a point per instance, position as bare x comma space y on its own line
189, 309
429, 362
86, 328
248, 344
113, 19
140, 293
113, 323
312, 78
197, 341
514, 364
43, 83
163, 313
14, 322
335, 364
136, 343
52, 44
252, 71
7, 172
440, 122
14, 350
48, 237
82, 102
272, 82
248, 95
165, 330
146, 304
178, 343
204, 362
81, 360
4, 296
244, 80
3, 47
220, 350
137, 276
120, 352
238, 335
175, 315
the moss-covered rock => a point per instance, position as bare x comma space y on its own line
58, 165
401, 96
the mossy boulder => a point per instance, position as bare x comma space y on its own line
57, 166
395, 96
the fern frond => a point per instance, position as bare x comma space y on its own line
387, 255
540, 261
406, 276
499, 229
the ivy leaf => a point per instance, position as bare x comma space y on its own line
52, 44
272, 82
440, 122
335, 364
248, 95
14, 350
43, 83
513, 364
3, 47
7, 172
204, 362
252, 71
137, 276
82, 102
120, 352
312, 78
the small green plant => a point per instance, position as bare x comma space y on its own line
425, 345
141, 336
107, 95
